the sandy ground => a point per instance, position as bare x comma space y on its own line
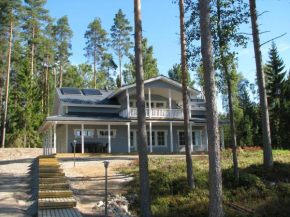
87, 180
15, 181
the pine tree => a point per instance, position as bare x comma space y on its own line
34, 18
215, 172
276, 87
63, 35
96, 44
149, 65
175, 74
120, 34
267, 142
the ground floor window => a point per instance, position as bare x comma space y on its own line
103, 133
88, 133
196, 138
159, 138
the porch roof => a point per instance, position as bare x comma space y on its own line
78, 118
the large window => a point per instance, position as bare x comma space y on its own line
196, 138
88, 133
103, 133
159, 138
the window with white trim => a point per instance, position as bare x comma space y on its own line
88, 133
159, 138
196, 138
103, 133
133, 138
132, 103
156, 104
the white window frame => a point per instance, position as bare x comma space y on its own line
134, 139
154, 104
155, 141
85, 136
106, 136
200, 137
133, 103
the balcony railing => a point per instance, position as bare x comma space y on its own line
155, 113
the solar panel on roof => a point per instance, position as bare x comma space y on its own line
91, 92
70, 91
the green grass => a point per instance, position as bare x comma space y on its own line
266, 192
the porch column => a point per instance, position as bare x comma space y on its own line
83, 139
129, 138
169, 99
128, 103
46, 145
54, 138
43, 145
171, 137
150, 131
223, 136
190, 135
50, 141
109, 138
149, 98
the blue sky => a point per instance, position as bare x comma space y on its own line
160, 19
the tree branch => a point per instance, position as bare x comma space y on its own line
273, 39
263, 13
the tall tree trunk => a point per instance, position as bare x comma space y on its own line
60, 72
46, 86
95, 68
267, 144
186, 114
215, 173
32, 53
225, 63
42, 91
120, 67
233, 131
7, 81
143, 158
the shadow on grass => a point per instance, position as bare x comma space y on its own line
264, 191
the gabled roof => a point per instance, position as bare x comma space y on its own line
160, 77
79, 97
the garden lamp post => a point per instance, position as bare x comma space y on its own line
74, 144
106, 164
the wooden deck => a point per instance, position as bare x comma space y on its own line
70, 212
54, 196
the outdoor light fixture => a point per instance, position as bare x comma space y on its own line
74, 144
106, 164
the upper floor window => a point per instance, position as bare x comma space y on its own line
88, 133
156, 104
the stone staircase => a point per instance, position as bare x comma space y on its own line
54, 196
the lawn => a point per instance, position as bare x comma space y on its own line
262, 192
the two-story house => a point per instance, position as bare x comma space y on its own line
106, 120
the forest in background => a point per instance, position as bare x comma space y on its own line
41, 47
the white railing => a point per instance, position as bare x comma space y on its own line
155, 113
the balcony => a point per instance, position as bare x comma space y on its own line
155, 113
